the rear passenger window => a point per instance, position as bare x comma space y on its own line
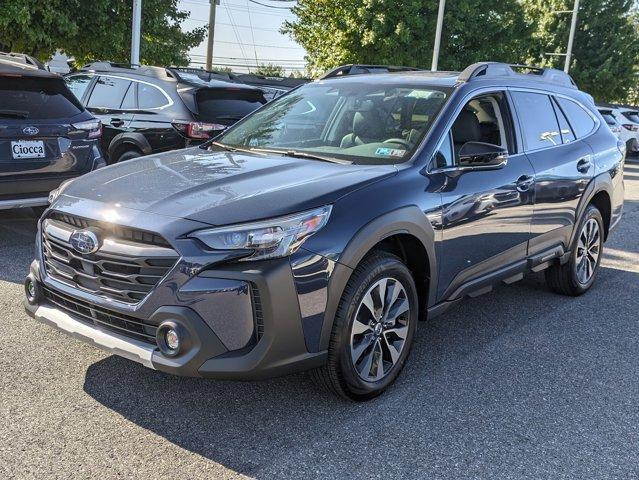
108, 92
150, 97
537, 119
567, 135
582, 123
129, 102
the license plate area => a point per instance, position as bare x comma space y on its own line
28, 149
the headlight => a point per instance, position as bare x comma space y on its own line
54, 194
273, 238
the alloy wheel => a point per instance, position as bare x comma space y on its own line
379, 330
588, 251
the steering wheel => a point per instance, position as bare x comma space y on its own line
399, 141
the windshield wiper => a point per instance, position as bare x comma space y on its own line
14, 114
310, 156
229, 148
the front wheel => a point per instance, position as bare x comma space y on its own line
576, 276
373, 329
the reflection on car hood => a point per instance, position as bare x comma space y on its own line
220, 188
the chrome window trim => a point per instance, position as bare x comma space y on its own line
166, 95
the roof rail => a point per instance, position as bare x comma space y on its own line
496, 69
358, 69
106, 66
22, 60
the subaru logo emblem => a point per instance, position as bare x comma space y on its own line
30, 130
84, 241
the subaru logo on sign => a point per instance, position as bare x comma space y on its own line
30, 130
84, 241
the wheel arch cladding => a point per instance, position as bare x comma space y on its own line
124, 142
602, 201
405, 232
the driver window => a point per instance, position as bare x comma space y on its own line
484, 119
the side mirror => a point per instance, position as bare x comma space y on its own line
482, 156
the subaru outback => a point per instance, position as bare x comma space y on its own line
316, 232
46, 135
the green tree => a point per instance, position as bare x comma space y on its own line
99, 29
269, 70
401, 32
606, 47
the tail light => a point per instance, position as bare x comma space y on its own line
200, 130
631, 126
94, 127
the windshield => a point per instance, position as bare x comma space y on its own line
357, 122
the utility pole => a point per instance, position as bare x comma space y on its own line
209, 43
135, 33
571, 37
438, 34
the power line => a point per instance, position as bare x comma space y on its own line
268, 6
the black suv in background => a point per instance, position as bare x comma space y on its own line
152, 109
46, 135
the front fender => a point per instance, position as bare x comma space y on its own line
407, 220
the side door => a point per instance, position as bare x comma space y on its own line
486, 213
154, 118
562, 161
111, 100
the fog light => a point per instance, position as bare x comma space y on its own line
172, 339
31, 290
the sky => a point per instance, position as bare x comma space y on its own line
245, 31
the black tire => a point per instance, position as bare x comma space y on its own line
128, 155
564, 279
339, 375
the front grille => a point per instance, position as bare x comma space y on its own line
127, 266
101, 317
124, 233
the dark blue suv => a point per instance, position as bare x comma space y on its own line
316, 232
46, 135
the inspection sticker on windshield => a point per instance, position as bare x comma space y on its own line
390, 152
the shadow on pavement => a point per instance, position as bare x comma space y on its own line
18, 228
492, 371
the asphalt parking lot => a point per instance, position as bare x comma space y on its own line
519, 383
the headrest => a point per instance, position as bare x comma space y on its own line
466, 128
367, 124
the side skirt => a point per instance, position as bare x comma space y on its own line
510, 274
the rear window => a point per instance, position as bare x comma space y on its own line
609, 118
36, 98
632, 116
227, 106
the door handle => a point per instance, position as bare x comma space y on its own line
525, 182
116, 122
584, 164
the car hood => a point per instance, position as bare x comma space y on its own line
221, 188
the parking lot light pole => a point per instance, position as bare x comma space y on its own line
135, 33
209, 43
571, 37
438, 34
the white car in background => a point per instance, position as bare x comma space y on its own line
626, 121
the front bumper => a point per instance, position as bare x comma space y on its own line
203, 307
